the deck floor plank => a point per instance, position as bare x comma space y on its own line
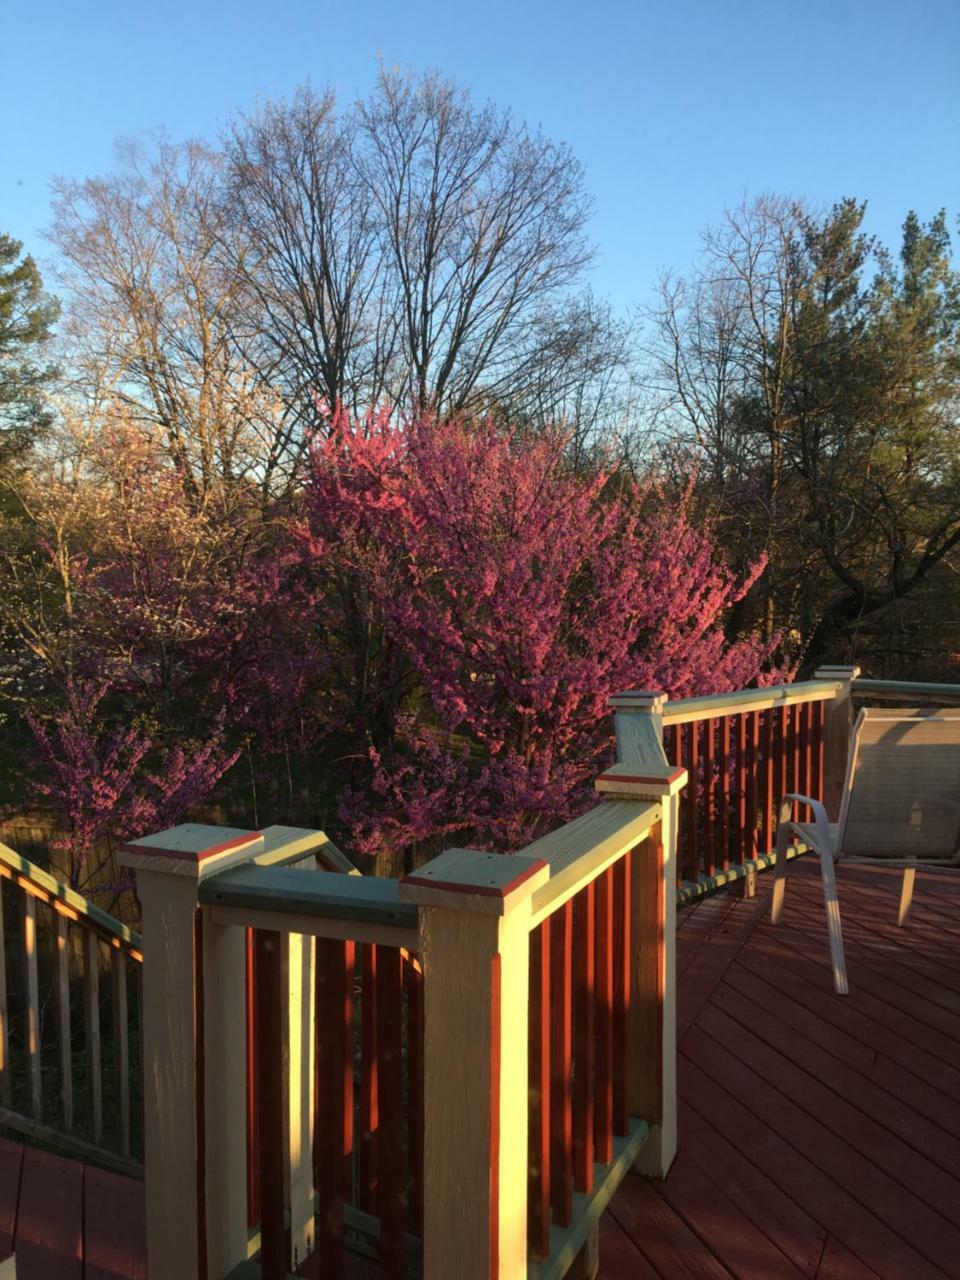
49, 1241
11, 1166
115, 1240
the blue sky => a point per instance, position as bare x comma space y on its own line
675, 107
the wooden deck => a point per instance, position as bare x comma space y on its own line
819, 1136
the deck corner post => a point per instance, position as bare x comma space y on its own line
194, 1054
652, 1027
475, 912
837, 728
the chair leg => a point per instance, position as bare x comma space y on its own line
780, 870
906, 895
834, 930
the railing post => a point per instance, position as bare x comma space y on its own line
474, 943
643, 772
837, 727
194, 1054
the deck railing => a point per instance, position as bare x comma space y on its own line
63, 952
453, 1071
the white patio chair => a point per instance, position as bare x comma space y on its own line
900, 807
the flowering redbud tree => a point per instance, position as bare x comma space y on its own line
522, 594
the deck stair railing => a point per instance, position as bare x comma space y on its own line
497, 1031
62, 960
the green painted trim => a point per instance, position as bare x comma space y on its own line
101, 920
327, 894
566, 1242
693, 890
78, 1148
894, 688
368, 1226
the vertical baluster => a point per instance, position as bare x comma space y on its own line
603, 1013
692, 800
816, 773
253, 1103
32, 1007
268, 967
561, 1102
391, 1201
91, 987
369, 1081
538, 1196
414, 979
622, 908
743, 846
793, 752
121, 1044
64, 1056
769, 752
803, 784
753, 779
4, 1012
583, 1037
726, 762
779, 716
333, 1096
673, 749
709, 798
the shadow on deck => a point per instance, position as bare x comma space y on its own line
819, 1135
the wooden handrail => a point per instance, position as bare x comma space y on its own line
581, 850
66, 901
687, 710
912, 688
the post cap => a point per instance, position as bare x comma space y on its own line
639, 700
191, 849
641, 782
836, 672
469, 880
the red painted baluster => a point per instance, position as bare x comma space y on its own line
369, 1081
779, 767
538, 1197
333, 1097
391, 1198
709, 799
414, 981
673, 749
583, 1037
816, 775
274, 1247
753, 779
726, 763
803, 784
253, 1124
743, 843
603, 1014
793, 753
621, 989
769, 755
692, 798
561, 1056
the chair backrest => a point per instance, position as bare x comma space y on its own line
901, 799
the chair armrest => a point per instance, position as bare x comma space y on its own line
821, 821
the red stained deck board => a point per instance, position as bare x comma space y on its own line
115, 1243
715, 956
805, 983
865, 1106
795, 1172
782, 1221
49, 1243
661, 1234
888, 1174
732, 1234
11, 1164
619, 1256
838, 1263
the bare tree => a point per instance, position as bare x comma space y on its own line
153, 316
